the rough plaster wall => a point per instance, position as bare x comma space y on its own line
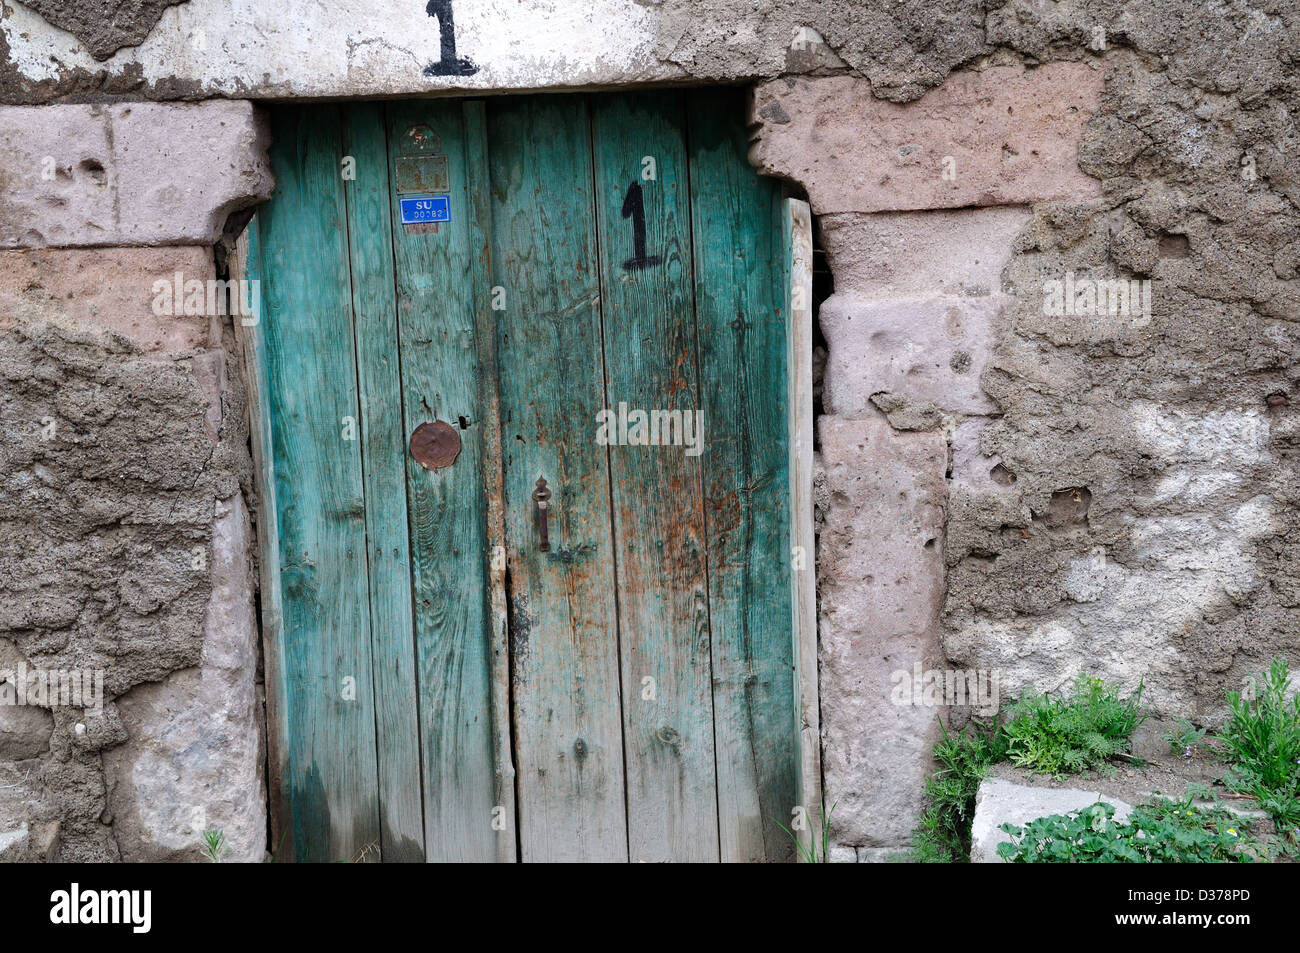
109, 552
104, 26
125, 543
1167, 447
1188, 466
1127, 505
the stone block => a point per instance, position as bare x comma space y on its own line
881, 855
129, 173
108, 287
922, 254
880, 577
194, 760
926, 351
24, 731
999, 136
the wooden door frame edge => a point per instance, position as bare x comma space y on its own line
799, 341
245, 262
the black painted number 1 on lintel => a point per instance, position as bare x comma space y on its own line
634, 208
450, 64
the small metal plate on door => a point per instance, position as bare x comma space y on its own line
421, 174
426, 209
435, 445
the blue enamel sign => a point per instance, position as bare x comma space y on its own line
426, 208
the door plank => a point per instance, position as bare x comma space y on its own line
651, 364
312, 381
564, 636
480, 203
246, 262
382, 454
440, 381
739, 223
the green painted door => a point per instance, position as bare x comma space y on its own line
525, 387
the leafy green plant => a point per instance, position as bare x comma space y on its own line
1200, 791
808, 853
1185, 738
943, 834
1055, 735
1262, 743
1282, 805
214, 844
1042, 732
1160, 831
1262, 735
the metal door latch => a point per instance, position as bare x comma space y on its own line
542, 496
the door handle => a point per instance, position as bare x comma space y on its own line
542, 496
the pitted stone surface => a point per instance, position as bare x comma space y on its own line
128, 174
922, 352
1000, 136
881, 582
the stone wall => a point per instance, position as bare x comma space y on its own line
124, 533
1016, 491
1003, 489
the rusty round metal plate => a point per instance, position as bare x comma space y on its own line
435, 445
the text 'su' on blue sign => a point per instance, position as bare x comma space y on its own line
426, 208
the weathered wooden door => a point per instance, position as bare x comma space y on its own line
555, 623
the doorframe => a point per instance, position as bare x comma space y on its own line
799, 394
245, 263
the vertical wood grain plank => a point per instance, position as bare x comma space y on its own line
564, 636
741, 297
797, 230
383, 455
480, 205
246, 263
312, 382
440, 381
651, 364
